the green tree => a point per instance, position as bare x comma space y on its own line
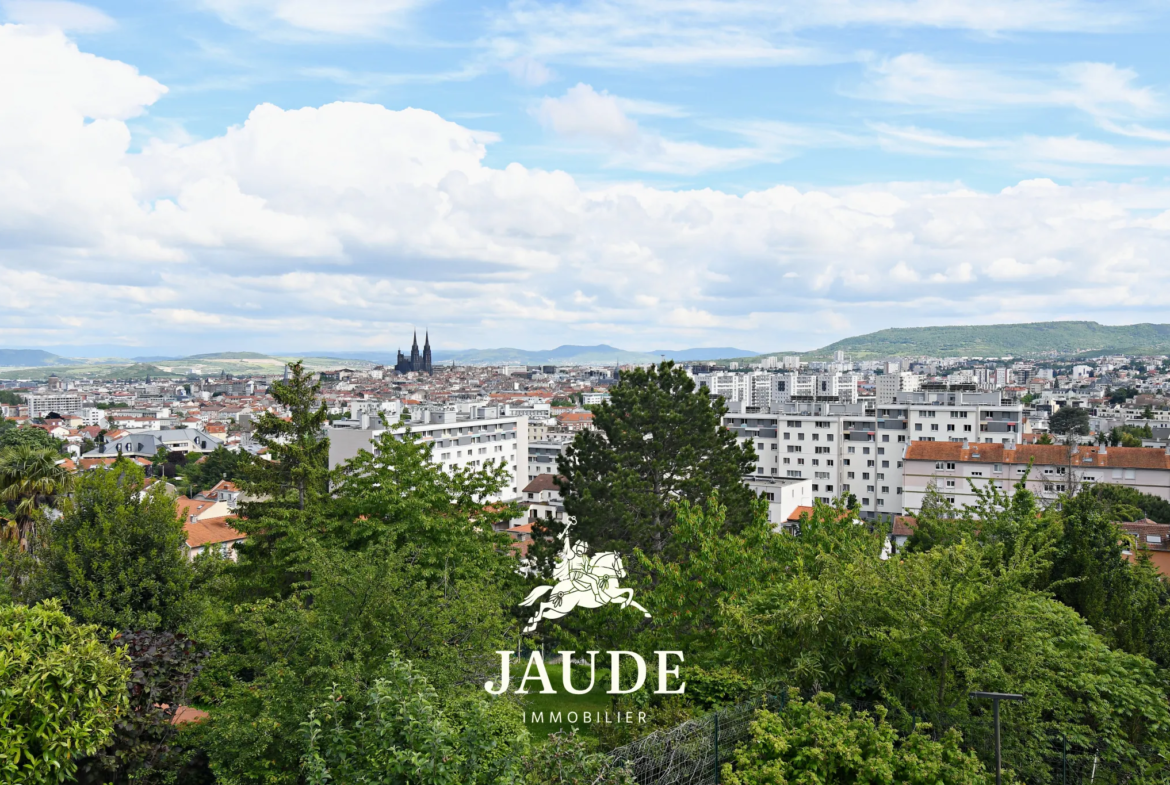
659, 440
565, 759
1114, 497
30, 437
1069, 420
820, 743
297, 447
1045, 439
1027, 399
117, 555
402, 558
30, 480
9, 398
61, 691
403, 737
204, 471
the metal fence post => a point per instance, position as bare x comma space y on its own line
716, 747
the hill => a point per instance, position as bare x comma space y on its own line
227, 356
28, 358
570, 354
138, 371
1032, 339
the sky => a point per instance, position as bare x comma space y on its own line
280, 175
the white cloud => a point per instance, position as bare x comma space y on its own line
602, 119
1102, 90
750, 32
342, 225
337, 17
61, 14
529, 72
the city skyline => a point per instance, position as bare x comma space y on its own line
262, 174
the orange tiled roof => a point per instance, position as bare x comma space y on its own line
799, 511
210, 531
189, 507
904, 525
1045, 454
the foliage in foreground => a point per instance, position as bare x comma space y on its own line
814, 743
61, 690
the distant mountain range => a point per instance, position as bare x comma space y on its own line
601, 354
1067, 339
1032, 339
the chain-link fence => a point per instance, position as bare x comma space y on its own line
691, 753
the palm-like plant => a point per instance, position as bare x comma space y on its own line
29, 479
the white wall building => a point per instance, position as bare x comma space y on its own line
62, 403
457, 439
890, 384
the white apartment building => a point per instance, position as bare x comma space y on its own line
848, 448
763, 389
954, 467
543, 456
458, 439
40, 405
890, 384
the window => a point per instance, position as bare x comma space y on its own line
934, 426
899, 464
845, 488
902, 438
852, 449
951, 499
865, 450
885, 489
885, 437
760, 446
881, 476
881, 502
881, 451
976, 474
816, 487
800, 437
792, 473
950, 427
822, 450
821, 475
865, 501
800, 461
865, 475
829, 462
775, 446
918, 426
950, 483
899, 491
966, 427
885, 464
822, 424
829, 488
850, 475
828, 437
816, 437
816, 462
794, 448
788, 460
793, 423
998, 467
1130, 474
775, 470
845, 461
787, 435
869, 463
1154, 539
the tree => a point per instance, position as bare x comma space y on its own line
61, 691
819, 742
1148, 413
204, 471
9, 398
1069, 420
30, 437
1112, 497
143, 747
659, 440
403, 737
401, 558
1126, 602
565, 759
30, 479
1027, 399
1045, 439
298, 447
117, 555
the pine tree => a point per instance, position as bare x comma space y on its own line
659, 440
297, 446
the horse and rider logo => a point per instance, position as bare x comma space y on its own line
582, 581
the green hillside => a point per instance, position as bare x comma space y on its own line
998, 340
138, 371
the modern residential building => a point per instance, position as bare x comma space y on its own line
956, 468
543, 456
58, 402
890, 384
146, 444
458, 439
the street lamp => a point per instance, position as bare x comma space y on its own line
996, 697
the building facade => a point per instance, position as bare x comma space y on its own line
418, 362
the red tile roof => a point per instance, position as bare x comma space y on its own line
904, 525
1043, 454
211, 530
800, 511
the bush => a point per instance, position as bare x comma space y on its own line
61, 691
814, 742
565, 760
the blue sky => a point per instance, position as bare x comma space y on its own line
241, 174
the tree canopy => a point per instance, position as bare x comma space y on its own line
659, 440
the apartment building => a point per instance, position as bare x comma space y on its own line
460, 439
890, 384
955, 468
59, 402
543, 456
849, 448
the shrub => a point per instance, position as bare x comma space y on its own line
61, 690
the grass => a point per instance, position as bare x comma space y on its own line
594, 702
